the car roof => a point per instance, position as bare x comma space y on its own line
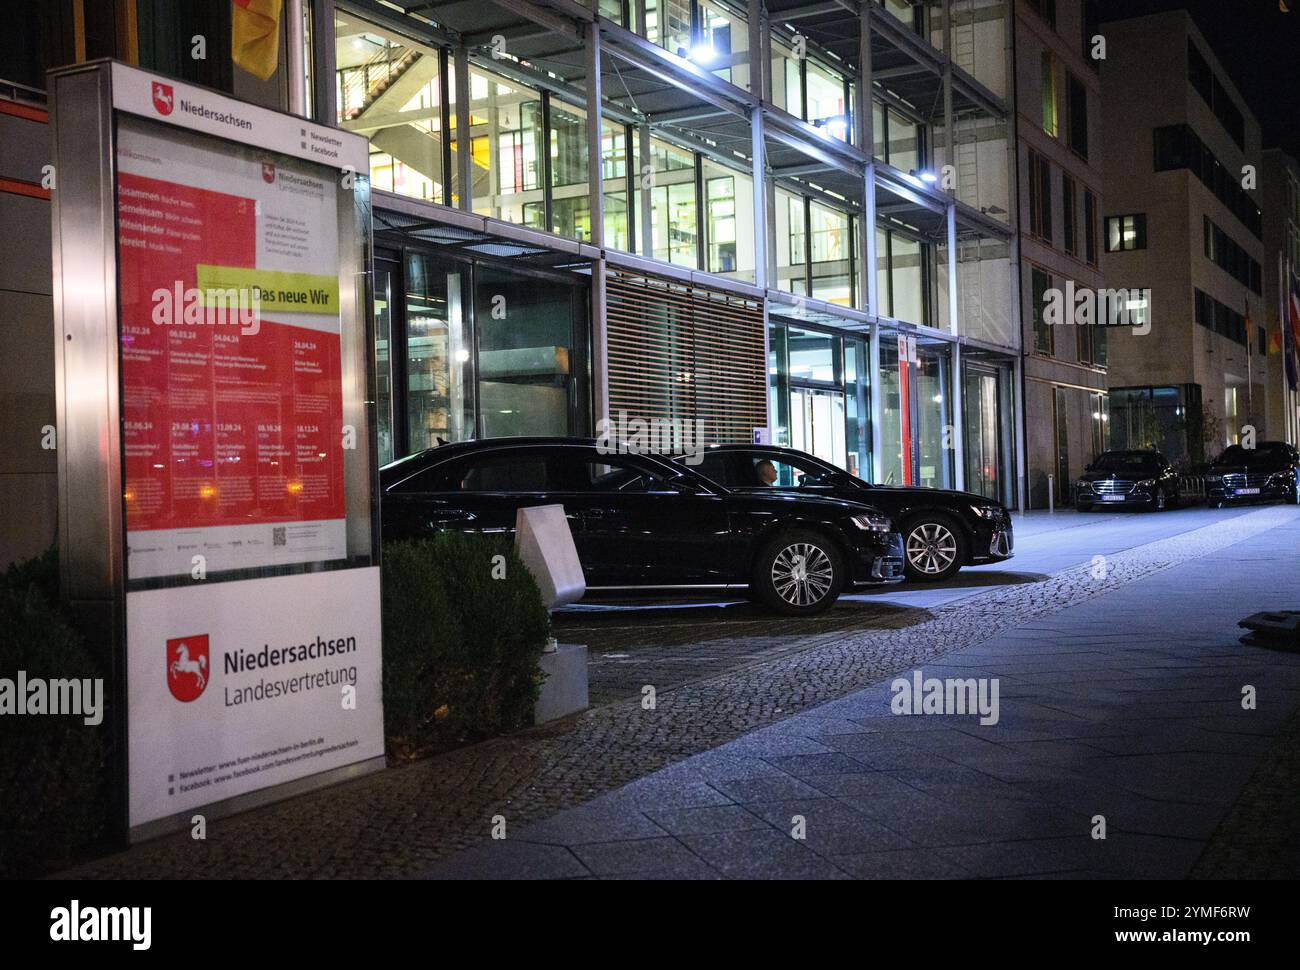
403, 468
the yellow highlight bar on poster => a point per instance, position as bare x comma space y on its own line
272, 290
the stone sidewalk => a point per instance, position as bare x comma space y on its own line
1120, 697
398, 823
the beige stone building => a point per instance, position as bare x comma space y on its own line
1059, 133
1181, 156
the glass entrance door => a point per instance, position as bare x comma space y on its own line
817, 423
983, 453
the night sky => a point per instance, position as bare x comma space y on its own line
1257, 43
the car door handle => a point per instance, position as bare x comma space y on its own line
596, 513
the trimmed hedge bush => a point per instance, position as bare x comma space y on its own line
52, 791
463, 637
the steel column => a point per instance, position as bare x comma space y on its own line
595, 175
464, 138
645, 187
877, 406
761, 216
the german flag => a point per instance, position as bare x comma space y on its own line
255, 36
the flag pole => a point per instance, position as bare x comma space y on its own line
1284, 321
1250, 355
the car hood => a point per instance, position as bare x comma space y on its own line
912, 492
790, 499
1245, 467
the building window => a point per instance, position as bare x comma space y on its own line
674, 207
1089, 227
1100, 423
1215, 95
825, 104
1070, 219
729, 228
903, 274
1222, 250
1051, 120
1041, 282
1126, 233
1045, 9
1076, 111
1179, 147
831, 266
1061, 426
909, 12
668, 24
1040, 196
1220, 319
408, 157
726, 34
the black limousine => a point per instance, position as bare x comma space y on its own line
644, 523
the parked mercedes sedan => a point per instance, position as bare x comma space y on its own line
1141, 479
1269, 471
942, 530
641, 522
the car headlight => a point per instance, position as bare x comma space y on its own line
1083, 486
987, 511
873, 522
1147, 483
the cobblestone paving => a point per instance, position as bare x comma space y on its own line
394, 824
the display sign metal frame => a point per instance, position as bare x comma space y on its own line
86, 101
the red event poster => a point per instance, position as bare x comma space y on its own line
232, 403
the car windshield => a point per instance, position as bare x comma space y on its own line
1237, 455
1118, 462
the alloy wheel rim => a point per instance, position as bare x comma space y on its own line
931, 548
802, 574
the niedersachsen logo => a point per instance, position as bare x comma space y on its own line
161, 95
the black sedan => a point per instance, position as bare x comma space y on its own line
640, 522
1141, 479
942, 530
1269, 471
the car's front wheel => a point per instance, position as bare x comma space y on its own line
934, 548
798, 573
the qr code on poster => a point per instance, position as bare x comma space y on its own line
278, 537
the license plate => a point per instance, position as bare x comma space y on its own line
1112, 498
1245, 491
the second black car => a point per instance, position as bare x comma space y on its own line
942, 530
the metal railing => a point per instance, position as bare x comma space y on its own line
361, 84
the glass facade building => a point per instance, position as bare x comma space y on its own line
771, 217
